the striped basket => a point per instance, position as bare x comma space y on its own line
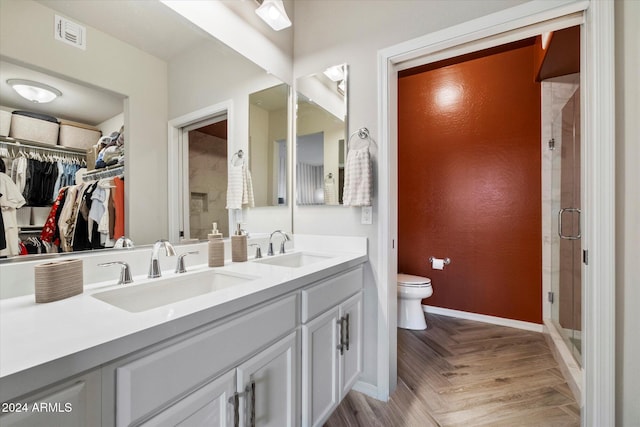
58, 280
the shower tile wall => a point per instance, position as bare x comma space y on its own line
207, 184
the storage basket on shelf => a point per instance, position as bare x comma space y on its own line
5, 122
34, 127
78, 135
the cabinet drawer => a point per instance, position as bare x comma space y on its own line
73, 403
153, 381
331, 292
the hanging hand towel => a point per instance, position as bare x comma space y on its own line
357, 179
239, 187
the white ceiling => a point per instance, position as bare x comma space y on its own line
78, 102
145, 24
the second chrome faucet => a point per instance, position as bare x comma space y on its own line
154, 266
285, 238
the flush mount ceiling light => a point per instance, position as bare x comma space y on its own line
335, 73
272, 12
39, 93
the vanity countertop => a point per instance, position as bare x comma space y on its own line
42, 343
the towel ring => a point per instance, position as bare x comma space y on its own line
363, 133
239, 154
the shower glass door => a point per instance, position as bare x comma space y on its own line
566, 214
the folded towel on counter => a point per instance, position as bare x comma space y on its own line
357, 178
239, 187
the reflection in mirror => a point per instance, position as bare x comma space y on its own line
169, 68
72, 145
208, 160
268, 118
321, 130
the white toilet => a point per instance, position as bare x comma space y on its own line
411, 290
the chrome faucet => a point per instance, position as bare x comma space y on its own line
154, 267
125, 271
285, 239
180, 268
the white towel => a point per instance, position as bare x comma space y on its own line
330, 193
239, 187
357, 178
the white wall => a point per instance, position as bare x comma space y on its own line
112, 124
358, 30
26, 35
627, 17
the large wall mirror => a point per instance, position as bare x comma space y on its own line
321, 135
268, 151
159, 66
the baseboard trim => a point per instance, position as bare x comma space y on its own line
518, 324
366, 388
570, 369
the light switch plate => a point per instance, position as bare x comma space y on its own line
367, 214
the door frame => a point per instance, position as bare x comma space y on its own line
178, 160
598, 174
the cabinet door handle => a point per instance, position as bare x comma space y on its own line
341, 334
252, 412
347, 329
235, 401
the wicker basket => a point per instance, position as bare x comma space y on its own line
58, 280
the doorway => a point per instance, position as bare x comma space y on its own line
207, 175
598, 148
179, 174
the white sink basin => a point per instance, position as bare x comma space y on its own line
294, 260
158, 292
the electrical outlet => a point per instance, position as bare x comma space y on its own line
367, 214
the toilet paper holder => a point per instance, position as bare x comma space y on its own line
447, 261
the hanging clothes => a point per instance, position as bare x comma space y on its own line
118, 201
10, 201
50, 225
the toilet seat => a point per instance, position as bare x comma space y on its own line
413, 281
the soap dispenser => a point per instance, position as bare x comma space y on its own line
216, 247
239, 245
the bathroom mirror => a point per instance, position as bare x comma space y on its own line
268, 130
151, 75
321, 132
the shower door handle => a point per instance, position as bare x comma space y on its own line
560, 214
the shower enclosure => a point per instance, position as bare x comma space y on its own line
561, 129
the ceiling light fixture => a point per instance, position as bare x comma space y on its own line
39, 93
272, 12
335, 73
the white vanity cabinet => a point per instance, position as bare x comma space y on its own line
267, 386
211, 405
74, 403
331, 344
172, 377
260, 392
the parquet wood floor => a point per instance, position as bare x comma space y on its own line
465, 373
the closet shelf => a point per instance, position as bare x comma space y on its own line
20, 143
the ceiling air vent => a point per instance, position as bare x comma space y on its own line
70, 32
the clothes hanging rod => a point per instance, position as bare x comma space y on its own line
12, 142
107, 172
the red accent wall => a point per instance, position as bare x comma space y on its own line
469, 182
